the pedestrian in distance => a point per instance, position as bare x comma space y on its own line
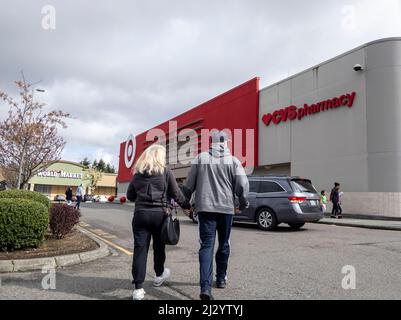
68, 195
323, 201
340, 204
80, 193
335, 199
217, 177
152, 188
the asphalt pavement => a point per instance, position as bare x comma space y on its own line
284, 264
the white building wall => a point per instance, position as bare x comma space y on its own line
384, 116
359, 147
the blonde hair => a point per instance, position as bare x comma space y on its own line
152, 161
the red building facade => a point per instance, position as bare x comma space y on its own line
236, 110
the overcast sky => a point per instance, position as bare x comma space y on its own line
121, 67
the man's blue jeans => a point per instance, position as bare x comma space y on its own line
209, 223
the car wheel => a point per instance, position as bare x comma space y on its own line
266, 220
296, 226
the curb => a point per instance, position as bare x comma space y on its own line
362, 226
8, 266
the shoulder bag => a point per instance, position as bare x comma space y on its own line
170, 232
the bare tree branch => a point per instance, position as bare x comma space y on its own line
29, 138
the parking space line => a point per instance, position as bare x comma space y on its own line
110, 243
84, 224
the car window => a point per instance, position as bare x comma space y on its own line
269, 187
303, 186
253, 186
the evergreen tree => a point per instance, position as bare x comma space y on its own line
110, 168
85, 163
101, 166
95, 164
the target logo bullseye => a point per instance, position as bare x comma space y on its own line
129, 152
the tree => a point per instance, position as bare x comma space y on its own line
101, 166
29, 139
94, 164
85, 163
93, 176
110, 168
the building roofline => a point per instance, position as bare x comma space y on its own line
65, 162
109, 174
368, 44
200, 105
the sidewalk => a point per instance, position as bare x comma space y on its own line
363, 223
367, 223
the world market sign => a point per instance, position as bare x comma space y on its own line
59, 174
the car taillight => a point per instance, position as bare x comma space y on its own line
297, 199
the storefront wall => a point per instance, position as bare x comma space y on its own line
359, 146
52, 182
60, 175
235, 109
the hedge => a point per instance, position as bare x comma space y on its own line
23, 223
63, 218
24, 194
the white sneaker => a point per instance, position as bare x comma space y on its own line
138, 294
160, 280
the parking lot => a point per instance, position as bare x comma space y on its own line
285, 264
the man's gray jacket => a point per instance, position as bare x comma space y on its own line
217, 177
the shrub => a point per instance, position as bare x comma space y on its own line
25, 194
63, 218
111, 199
123, 200
23, 223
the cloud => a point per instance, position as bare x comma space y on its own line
123, 67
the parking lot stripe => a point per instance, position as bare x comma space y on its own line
110, 243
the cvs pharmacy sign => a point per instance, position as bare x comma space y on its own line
292, 113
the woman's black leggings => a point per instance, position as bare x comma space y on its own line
337, 210
147, 224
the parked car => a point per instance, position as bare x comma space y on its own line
59, 198
274, 200
101, 199
88, 198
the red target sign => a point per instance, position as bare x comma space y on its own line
129, 152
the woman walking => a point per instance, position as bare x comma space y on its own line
152, 188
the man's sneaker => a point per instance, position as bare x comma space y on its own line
158, 281
206, 296
138, 294
340, 217
221, 284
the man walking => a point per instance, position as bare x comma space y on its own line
335, 199
80, 194
216, 177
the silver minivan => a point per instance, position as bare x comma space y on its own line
274, 200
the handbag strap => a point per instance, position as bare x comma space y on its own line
165, 185
165, 203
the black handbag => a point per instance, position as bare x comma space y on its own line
170, 232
